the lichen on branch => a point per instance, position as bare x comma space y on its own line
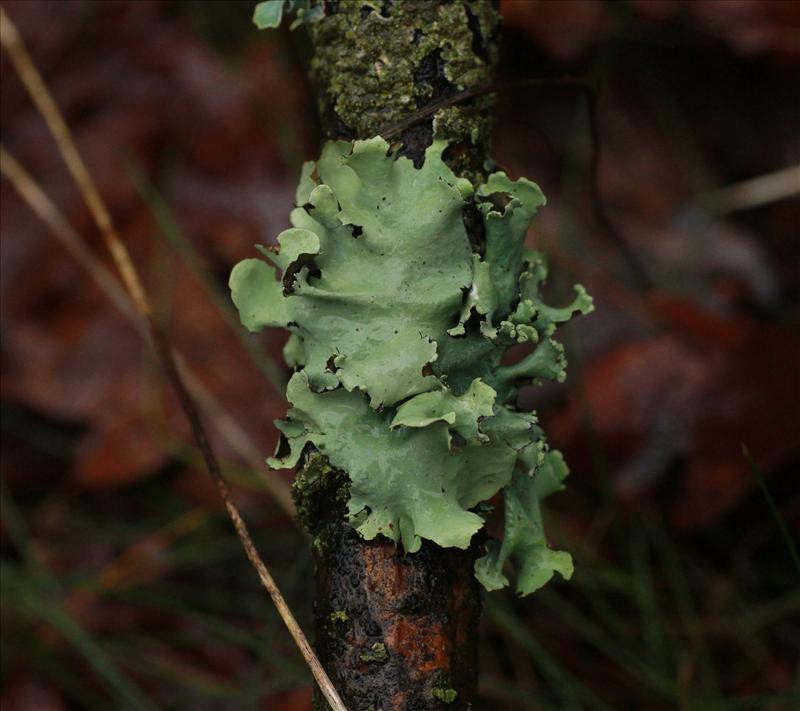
398, 335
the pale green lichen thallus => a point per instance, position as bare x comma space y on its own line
398, 335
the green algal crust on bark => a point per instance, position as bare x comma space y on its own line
445, 695
315, 483
377, 62
320, 494
441, 689
376, 653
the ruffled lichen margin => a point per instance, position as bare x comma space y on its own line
398, 333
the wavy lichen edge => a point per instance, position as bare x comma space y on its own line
398, 335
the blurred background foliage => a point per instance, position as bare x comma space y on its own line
123, 585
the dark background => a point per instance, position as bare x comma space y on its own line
121, 576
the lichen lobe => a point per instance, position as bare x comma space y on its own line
399, 336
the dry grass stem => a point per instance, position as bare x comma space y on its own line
30, 191
226, 425
755, 192
13, 44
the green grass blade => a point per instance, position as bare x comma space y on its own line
24, 594
169, 228
677, 580
566, 684
644, 594
776, 514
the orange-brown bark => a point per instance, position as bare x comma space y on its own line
397, 631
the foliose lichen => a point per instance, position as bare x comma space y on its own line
269, 13
399, 331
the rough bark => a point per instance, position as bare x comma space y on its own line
397, 632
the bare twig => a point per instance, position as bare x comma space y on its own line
640, 276
589, 91
40, 95
469, 94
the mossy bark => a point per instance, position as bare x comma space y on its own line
397, 632
377, 61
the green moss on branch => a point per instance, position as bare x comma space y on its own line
377, 62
